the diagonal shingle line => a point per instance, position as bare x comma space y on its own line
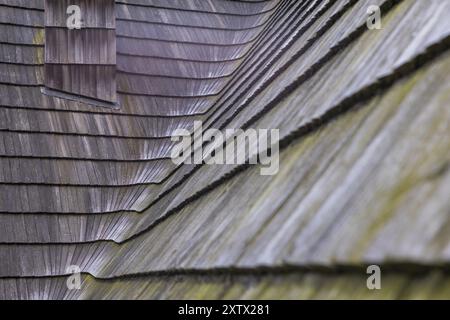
156, 7
309, 127
109, 136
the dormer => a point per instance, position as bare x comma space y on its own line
80, 50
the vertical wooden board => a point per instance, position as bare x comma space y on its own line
94, 13
93, 81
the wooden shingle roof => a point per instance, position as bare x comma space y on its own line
364, 154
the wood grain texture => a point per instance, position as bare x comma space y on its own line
275, 285
95, 14
364, 133
301, 226
81, 62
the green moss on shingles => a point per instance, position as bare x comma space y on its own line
39, 39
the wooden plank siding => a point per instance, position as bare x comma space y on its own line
81, 62
77, 46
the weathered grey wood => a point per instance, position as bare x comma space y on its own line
81, 61
95, 14
73, 172
189, 18
82, 173
94, 81
85, 46
277, 284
